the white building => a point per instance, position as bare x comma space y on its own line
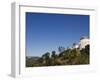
83, 42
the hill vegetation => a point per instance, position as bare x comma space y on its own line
65, 57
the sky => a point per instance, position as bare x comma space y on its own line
45, 32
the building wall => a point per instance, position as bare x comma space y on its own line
83, 43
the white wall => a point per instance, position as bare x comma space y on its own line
5, 39
83, 43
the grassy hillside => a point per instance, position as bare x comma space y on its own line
65, 57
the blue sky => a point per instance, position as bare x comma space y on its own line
45, 32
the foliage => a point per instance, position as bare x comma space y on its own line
64, 57
61, 49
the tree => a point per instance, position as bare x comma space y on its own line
61, 49
46, 58
46, 55
74, 45
53, 54
85, 55
66, 53
74, 57
87, 49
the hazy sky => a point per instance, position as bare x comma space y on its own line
45, 32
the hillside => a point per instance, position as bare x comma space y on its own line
65, 57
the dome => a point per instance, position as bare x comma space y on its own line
84, 37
